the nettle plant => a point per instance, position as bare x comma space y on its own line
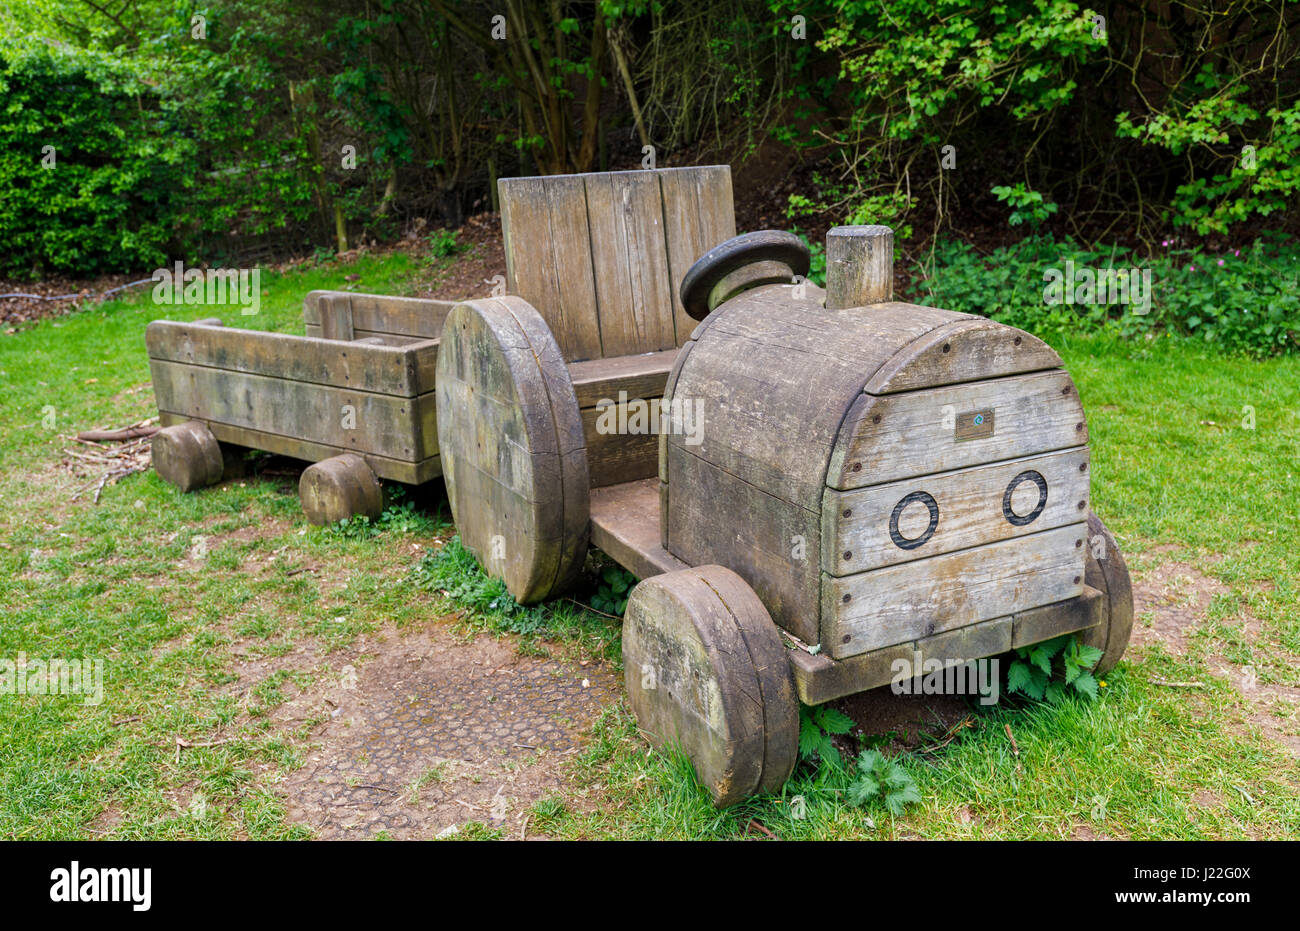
870, 778
1051, 670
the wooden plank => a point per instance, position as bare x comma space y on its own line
405, 371
897, 436
818, 678
1065, 617
412, 473
336, 316
964, 350
382, 314
641, 376
698, 214
349, 419
548, 258
613, 458
887, 606
858, 525
625, 525
629, 254
389, 339
772, 543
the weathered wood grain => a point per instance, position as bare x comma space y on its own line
339, 488
887, 606
549, 260
692, 681
613, 458
818, 678
698, 215
775, 684
641, 376
633, 284
601, 255
336, 316
381, 314
352, 420
897, 436
859, 266
772, 543
411, 473
963, 350
187, 455
856, 525
1107, 572
401, 371
512, 450
625, 525
776, 376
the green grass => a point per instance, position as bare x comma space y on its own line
1176, 476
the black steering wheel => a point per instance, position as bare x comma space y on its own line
737, 252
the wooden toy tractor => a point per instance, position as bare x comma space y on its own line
843, 480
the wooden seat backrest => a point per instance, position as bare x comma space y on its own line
601, 256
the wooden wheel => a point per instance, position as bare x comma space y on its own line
338, 488
1108, 574
514, 457
705, 670
187, 455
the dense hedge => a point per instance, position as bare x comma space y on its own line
91, 168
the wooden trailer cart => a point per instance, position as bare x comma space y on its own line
842, 481
354, 396
600, 255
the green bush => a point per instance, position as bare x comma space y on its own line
1149, 115
91, 166
1243, 300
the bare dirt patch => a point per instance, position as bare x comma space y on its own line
906, 722
1175, 597
424, 734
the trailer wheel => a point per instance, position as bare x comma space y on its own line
1107, 573
706, 671
338, 488
514, 455
187, 455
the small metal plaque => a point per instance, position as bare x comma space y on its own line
974, 424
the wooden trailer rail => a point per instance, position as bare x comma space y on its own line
356, 396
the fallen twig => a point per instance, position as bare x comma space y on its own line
117, 436
1177, 685
755, 825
